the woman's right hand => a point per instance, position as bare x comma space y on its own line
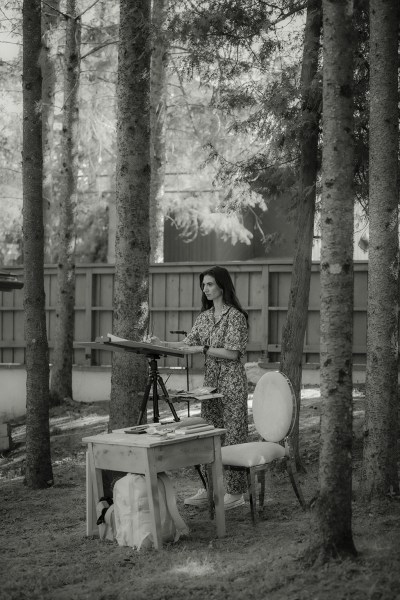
153, 339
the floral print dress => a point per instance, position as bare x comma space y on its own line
228, 376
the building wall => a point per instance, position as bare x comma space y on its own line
211, 247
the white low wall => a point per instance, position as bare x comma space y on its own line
12, 392
88, 385
93, 384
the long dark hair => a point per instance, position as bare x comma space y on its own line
223, 281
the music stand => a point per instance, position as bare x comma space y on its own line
153, 353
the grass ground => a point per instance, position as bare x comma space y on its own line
45, 554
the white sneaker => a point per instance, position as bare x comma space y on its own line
233, 500
200, 498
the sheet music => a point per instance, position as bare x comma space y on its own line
115, 338
115, 343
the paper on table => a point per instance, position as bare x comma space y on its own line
201, 391
189, 430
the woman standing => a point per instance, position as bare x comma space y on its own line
221, 333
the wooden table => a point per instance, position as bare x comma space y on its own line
148, 455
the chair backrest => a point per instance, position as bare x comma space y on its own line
274, 406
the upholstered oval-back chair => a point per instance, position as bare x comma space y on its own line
274, 413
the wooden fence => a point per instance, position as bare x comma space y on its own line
262, 287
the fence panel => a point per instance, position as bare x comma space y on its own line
175, 298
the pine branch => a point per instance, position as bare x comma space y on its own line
87, 9
63, 14
99, 48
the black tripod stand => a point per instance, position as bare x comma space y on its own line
154, 380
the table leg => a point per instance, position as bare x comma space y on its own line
90, 506
210, 491
94, 491
218, 485
153, 497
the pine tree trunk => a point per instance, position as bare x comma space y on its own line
131, 287
159, 62
337, 224
50, 20
381, 418
296, 321
61, 376
38, 472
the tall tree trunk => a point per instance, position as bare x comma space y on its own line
296, 321
381, 415
131, 287
333, 508
61, 376
50, 21
38, 472
158, 86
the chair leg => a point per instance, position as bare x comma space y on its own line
261, 479
208, 486
291, 469
200, 474
251, 484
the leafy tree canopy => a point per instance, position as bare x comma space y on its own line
233, 114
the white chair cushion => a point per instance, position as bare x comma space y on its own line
251, 454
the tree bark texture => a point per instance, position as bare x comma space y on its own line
296, 320
61, 376
38, 472
381, 419
50, 22
158, 88
333, 507
132, 249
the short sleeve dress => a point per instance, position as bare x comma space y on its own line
228, 376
